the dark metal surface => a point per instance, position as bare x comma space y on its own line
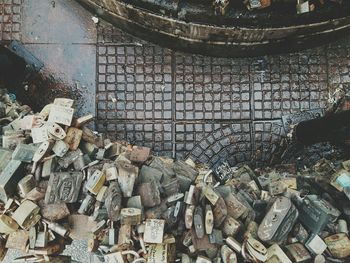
241, 34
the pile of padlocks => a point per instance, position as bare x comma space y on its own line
61, 181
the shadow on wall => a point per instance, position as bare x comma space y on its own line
25, 76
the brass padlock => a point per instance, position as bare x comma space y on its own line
27, 214
63, 187
25, 185
18, 240
131, 216
73, 138
338, 245
95, 182
7, 224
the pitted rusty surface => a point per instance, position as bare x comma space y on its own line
10, 20
208, 108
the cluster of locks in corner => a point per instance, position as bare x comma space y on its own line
62, 181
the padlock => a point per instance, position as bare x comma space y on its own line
100, 154
219, 212
149, 193
42, 238
39, 134
252, 230
111, 173
338, 245
40, 153
95, 182
5, 157
233, 244
80, 226
112, 237
9, 177
139, 154
209, 219
124, 235
223, 172
63, 187
63, 102
315, 213
50, 249
89, 136
276, 252
189, 213
61, 115
231, 226
300, 233
60, 148
36, 194
192, 195
32, 237
57, 228
81, 121
198, 222
210, 194
87, 205
55, 131
235, 208
98, 228
73, 138
131, 216
277, 188
158, 253
171, 200
340, 180
342, 226
7, 224
154, 230
102, 193
283, 214
24, 152
298, 253
303, 7
25, 185
79, 163
316, 245
114, 150
48, 167
69, 158
54, 212
113, 201
228, 255
18, 240
27, 214
216, 237
127, 174
256, 249
170, 186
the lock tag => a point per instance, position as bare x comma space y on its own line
154, 230
61, 115
63, 187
